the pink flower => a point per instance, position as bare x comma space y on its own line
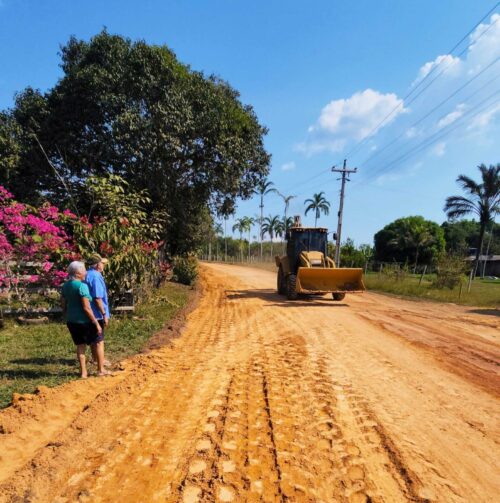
47, 266
33, 278
68, 213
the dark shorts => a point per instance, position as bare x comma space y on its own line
84, 333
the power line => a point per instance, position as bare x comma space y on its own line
433, 69
439, 105
439, 135
420, 83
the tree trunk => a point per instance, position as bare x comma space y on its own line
249, 232
260, 224
225, 240
416, 262
479, 248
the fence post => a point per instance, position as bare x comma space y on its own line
422, 275
472, 271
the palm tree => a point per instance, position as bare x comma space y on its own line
248, 223
273, 227
240, 226
286, 200
218, 230
264, 187
319, 204
483, 201
286, 224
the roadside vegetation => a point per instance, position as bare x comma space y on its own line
36, 355
484, 292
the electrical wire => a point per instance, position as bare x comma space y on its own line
439, 135
361, 142
439, 105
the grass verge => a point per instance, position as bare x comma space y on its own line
483, 292
44, 355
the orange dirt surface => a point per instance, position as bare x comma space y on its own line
372, 399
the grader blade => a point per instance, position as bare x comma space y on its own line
316, 279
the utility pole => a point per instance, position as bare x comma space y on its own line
345, 171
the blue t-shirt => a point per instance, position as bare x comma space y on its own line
98, 290
73, 291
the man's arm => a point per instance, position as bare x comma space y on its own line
100, 305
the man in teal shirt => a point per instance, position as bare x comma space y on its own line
80, 320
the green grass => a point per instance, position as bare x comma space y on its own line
483, 292
44, 355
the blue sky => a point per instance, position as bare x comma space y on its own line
321, 76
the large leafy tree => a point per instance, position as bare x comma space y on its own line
483, 200
319, 205
462, 235
134, 110
410, 239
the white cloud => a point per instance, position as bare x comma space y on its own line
395, 176
439, 149
315, 147
288, 166
452, 116
411, 132
446, 64
354, 118
484, 119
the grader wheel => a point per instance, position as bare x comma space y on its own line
291, 287
281, 282
338, 296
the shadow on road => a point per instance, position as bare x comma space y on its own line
488, 312
274, 299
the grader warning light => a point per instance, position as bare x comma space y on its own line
307, 269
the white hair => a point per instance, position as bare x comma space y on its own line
74, 268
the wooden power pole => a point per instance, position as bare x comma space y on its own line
345, 171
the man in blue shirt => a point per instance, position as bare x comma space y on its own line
98, 291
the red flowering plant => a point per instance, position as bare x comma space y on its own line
120, 229
34, 248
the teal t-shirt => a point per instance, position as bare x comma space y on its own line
73, 291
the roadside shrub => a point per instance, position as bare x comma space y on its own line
395, 272
185, 269
449, 272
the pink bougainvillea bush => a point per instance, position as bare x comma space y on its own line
34, 246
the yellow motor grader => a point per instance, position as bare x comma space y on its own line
307, 269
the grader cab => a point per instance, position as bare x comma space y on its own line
307, 269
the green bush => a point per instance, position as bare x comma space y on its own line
185, 269
450, 272
395, 272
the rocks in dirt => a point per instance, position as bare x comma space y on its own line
18, 397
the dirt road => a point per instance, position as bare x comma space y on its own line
372, 399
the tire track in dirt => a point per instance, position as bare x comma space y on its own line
263, 400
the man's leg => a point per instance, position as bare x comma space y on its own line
80, 353
98, 347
